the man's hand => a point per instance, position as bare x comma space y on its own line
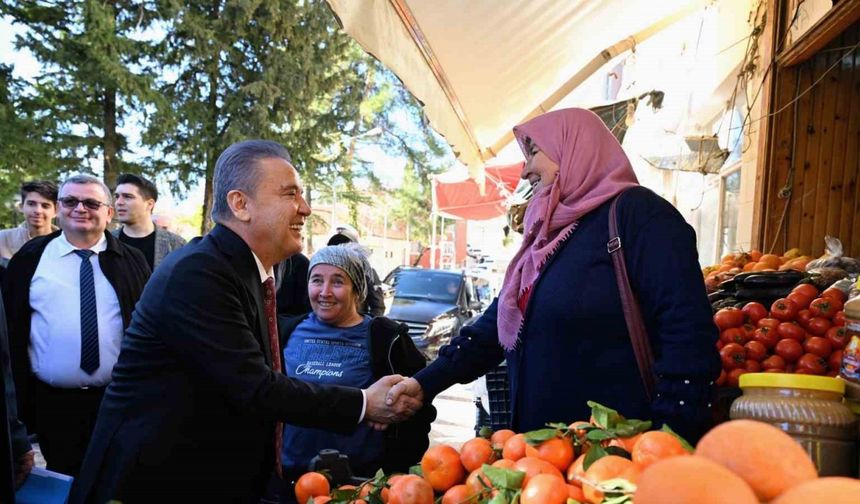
23, 466
380, 411
409, 387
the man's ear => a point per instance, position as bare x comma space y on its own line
150, 205
238, 203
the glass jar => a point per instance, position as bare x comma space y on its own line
809, 409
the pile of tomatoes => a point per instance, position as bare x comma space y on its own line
801, 333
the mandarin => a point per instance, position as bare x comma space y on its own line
768, 459
693, 479
441, 467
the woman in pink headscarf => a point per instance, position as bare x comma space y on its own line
558, 320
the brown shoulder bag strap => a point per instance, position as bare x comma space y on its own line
632, 314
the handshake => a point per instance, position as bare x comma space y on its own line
392, 399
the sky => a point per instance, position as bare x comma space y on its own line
389, 169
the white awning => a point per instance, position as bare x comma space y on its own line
482, 66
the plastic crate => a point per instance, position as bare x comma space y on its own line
499, 393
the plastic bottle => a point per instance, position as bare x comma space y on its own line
851, 354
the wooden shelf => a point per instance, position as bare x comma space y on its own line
843, 14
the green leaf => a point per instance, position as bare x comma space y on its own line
618, 451
599, 435
604, 416
557, 425
595, 453
537, 437
687, 446
572, 501
631, 427
344, 494
500, 498
416, 469
503, 478
616, 485
485, 432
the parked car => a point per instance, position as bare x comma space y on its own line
434, 303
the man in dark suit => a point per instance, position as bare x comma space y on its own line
197, 393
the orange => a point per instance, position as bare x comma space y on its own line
533, 466
830, 489
312, 484
604, 468
500, 436
460, 494
575, 493
516, 448
505, 463
631, 474
347, 487
772, 261
544, 489
321, 499
755, 255
769, 460
626, 443
575, 472
476, 452
656, 445
411, 489
557, 451
477, 481
684, 480
442, 468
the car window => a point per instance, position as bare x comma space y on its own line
436, 286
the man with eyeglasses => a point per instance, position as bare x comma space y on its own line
69, 297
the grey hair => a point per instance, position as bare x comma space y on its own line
236, 170
352, 259
83, 179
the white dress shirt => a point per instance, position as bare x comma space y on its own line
55, 325
270, 273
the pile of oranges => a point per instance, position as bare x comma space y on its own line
608, 460
739, 262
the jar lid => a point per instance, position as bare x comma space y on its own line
789, 380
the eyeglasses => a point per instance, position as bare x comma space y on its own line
89, 204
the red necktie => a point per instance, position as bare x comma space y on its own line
275, 347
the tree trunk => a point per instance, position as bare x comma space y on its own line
212, 131
110, 139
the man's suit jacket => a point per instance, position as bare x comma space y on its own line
190, 414
165, 243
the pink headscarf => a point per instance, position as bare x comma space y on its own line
592, 169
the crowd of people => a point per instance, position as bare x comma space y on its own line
154, 369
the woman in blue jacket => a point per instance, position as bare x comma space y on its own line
558, 320
337, 345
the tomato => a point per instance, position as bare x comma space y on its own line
838, 337
825, 307
774, 362
818, 326
811, 364
766, 336
734, 335
729, 317
752, 366
788, 349
783, 309
801, 300
791, 330
839, 318
756, 350
768, 322
803, 317
722, 379
734, 376
790, 367
818, 346
753, 312
733, 356
834, 362
806, 290
836, 294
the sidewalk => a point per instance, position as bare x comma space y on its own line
455, 416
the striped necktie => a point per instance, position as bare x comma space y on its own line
89, 315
